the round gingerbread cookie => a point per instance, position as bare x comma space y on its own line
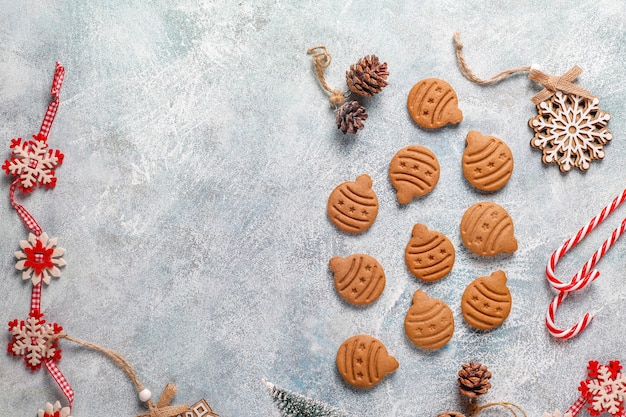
486, 302
359, 278
433, 103
429, 323
487, 230
353, 205
429, 255
487, 161
363, 361
414, 172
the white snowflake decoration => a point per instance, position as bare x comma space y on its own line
35, 340
607, 391
40, 258
570, 130
33, 163
54, 411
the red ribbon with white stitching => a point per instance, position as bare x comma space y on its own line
586, 275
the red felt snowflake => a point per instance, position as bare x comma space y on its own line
40, 258
33, 163
605, 389
35, 340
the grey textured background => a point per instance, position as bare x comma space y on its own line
200, 152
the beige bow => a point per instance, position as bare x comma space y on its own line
554, 83
162, 409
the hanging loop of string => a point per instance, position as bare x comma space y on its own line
551, 83
513, 408
162, 407
586, 275
321, 61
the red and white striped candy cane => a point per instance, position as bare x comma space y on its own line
585, 275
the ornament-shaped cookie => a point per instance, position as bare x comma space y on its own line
363, 361
487, 161
487, 230
429, 323
433, 103
414, 172
353, 205
429, 255
359, 278
486, 302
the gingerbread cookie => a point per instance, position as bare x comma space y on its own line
359, 279
414, 172
353, 205
363, 361
487, 161
433, 103
486, 302
429, 323
429, 255
487, 230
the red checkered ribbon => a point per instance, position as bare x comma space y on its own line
59, 378
577, 406
26, 217
57, 82
586, 275
35, 298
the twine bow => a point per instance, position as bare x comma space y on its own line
554, 83
162, 408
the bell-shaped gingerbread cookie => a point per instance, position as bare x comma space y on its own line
487, 230
353, 205
429, 255
363, 361
486, 302
487, 161
414, 172
359, 278
429, 323
433, 103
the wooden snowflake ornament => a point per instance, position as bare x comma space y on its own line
570, 130
569, 127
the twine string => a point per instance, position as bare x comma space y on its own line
162, 408
321, 61
470, 75
551, 83
511, 407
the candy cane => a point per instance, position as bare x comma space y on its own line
585, 275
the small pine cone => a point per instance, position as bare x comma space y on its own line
350, 117
451, 414
368, 76
474, 379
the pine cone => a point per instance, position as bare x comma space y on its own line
451, 414
350, 117
368, 76
474, 379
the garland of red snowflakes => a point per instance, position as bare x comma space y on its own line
32, 164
